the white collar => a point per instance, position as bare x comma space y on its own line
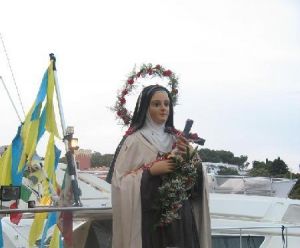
156, 135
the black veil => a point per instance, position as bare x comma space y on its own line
139, 117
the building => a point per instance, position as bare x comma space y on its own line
83, 158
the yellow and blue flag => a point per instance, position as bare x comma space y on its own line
40, 118
24, 144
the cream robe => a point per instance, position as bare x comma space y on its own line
126, 197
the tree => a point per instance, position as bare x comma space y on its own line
106, 159
99, 160
95, 159
241, 161
226, 156
227, 171
279, 168
295, 192
276, 168
222, 156
260, 169
208, 155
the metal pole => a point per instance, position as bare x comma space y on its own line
67, 216
56, 209
252, 228
69, 154
244, 186
271, 193
61, 111
241, 244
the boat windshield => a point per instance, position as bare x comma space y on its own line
264, 186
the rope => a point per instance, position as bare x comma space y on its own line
11, 99
12, 74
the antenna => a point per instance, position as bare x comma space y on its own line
11, 100
12, 74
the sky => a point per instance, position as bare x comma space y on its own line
237, 61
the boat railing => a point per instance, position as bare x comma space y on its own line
285, 231
48, 209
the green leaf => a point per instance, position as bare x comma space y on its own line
187, 159
194, 152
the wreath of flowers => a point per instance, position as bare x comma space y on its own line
145, 70
175, 186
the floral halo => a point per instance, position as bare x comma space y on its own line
146, 70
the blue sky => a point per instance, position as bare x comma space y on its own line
237, 61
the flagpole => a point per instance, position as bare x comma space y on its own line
67, 216
67, 136
61, 111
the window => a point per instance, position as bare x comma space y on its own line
222, 241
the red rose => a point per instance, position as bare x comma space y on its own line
130, 81
150, 71
129, 131
157, 67
122, 101
126, 120
167, 73
124, 92
119, 113
176, 132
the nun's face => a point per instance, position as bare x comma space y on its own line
159, 107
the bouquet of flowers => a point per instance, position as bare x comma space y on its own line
176, 185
